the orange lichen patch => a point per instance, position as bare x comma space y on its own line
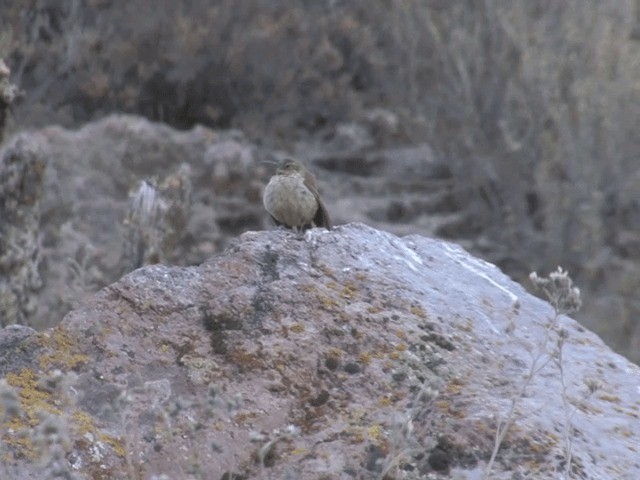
64, 351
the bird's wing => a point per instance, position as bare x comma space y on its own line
321, 218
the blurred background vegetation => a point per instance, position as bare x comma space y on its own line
534, 104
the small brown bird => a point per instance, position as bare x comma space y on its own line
292, 198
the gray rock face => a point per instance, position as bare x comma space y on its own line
344, 354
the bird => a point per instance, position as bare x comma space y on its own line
291, 197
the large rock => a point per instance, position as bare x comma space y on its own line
345, 354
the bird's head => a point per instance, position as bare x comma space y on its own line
289, 166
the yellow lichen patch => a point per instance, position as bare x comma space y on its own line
243, 417
349, 291
83, 422
467, 326
327, 271
63, 351
333, 286
364, 358
401, 334
418, 311
609, 398
20, 440
297, 328
357, 436
115, 443
327, 302
33, 401
374, 309
455, 386
300, 451
443, 405
624, 431
376, 433
334, 353
384, 402
401, 347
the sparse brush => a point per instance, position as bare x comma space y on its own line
559, 289
157, 218
565, 298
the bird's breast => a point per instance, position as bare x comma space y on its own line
289, 201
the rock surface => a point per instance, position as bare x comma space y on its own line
344, 354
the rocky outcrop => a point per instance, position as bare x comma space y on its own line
345, 354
